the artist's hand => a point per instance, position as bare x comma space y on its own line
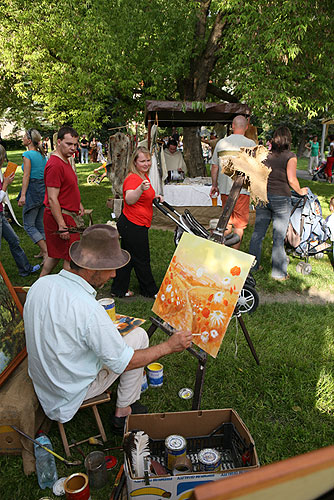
179, 341
81, 209
214, 190
304, 191
7, 181
145, 185
22, 200
65, 235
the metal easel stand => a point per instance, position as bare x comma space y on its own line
199, 354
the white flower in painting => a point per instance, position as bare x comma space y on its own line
205, 336
214, 334
162, 297
218, 297
199, 272
226, 281
217, 318
172, 294
169, 288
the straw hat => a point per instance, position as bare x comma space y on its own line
99, 249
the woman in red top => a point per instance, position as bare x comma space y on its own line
133, 225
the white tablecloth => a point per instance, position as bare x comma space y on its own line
195, 195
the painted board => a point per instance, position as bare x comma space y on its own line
12, 339
200, 289
125, 324
304, 477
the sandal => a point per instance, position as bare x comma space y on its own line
129, 293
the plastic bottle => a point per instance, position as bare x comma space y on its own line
45, 463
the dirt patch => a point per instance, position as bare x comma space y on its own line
312, 296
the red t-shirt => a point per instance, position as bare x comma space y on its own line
60, 175
141, 212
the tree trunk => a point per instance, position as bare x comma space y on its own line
195, 85
301, 145
193, 156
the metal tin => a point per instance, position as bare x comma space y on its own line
109, 306
58, 487
175, 446
76, 487
186, 393
209, 460
144, 383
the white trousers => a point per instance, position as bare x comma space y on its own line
312, 160
130, 382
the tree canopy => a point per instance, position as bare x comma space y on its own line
85, 62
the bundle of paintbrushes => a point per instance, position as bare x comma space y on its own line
71, 229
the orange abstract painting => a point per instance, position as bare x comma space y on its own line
201, 288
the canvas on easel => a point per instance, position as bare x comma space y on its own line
201, 288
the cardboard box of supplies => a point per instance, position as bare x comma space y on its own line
220, 430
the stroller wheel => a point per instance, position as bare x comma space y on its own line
307, 269
91, 179
299, 267
319, 255
248, 299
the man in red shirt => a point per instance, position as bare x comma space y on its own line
62, 201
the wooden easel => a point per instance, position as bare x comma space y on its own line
201, 356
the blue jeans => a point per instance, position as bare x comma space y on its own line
33, 210
33, 223
277, 210
84, 155
13, 241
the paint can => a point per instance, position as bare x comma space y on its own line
109, 306
175, 447
76, 487
182, 465
144, 384
96, 468
155, 373
209, 460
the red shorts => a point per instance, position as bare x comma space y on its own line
240, 214
58, 248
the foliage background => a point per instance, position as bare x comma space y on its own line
286, 402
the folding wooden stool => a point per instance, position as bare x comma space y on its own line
89, 403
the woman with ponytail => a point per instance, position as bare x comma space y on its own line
33, 189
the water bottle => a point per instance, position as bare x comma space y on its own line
45, 463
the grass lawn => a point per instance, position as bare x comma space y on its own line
287, 402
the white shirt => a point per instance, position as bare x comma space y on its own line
232, 143
69, 338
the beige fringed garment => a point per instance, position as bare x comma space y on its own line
250, 162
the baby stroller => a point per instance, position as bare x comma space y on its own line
307, 231
248, 299
319, 171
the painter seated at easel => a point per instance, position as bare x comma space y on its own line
74, 350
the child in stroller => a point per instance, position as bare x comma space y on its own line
307, 231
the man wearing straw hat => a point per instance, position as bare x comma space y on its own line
74, 350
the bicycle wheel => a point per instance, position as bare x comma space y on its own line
91, 179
